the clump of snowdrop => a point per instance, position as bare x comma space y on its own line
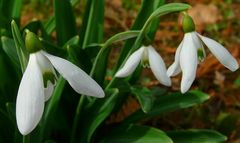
39, 79
191, 51
149, 57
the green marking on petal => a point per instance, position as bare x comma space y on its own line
200, 54
144, 61
48, 76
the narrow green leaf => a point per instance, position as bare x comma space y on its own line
169, 8
9, 48
92, 27
73, 41
96, 114
16, 10
50, 25
92, 32
65, 21
144, 97
136, 134
10, 9
122, 36
20, 46
170, 103
196, 136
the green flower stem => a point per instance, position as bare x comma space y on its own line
26, 139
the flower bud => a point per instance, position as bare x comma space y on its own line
188, 24
32, 42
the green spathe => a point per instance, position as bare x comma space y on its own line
32, 42
188, 24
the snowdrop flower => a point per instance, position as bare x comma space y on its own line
191, 51
38, 82
149, 57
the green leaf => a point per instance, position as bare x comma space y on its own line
9, 48
122, 36
92, 27
65, 21
170, 103
144, 97
20, 46
96, 114
136, 134
50, 25
10, 9
169, 8
196, 136
16, 9
73, 41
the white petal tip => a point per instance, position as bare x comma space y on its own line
183, 90
169, 73
24, 131
167, 83
120, 74
234, 67
101, 94
185, 86
186, 83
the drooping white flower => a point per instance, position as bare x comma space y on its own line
191, 51
149, 57
38, 83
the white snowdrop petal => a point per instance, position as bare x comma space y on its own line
221, 53
188, 62
131, 63
44, 63
81, 82
175, 68
48, 91
198, 43
30, 98
158, 66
